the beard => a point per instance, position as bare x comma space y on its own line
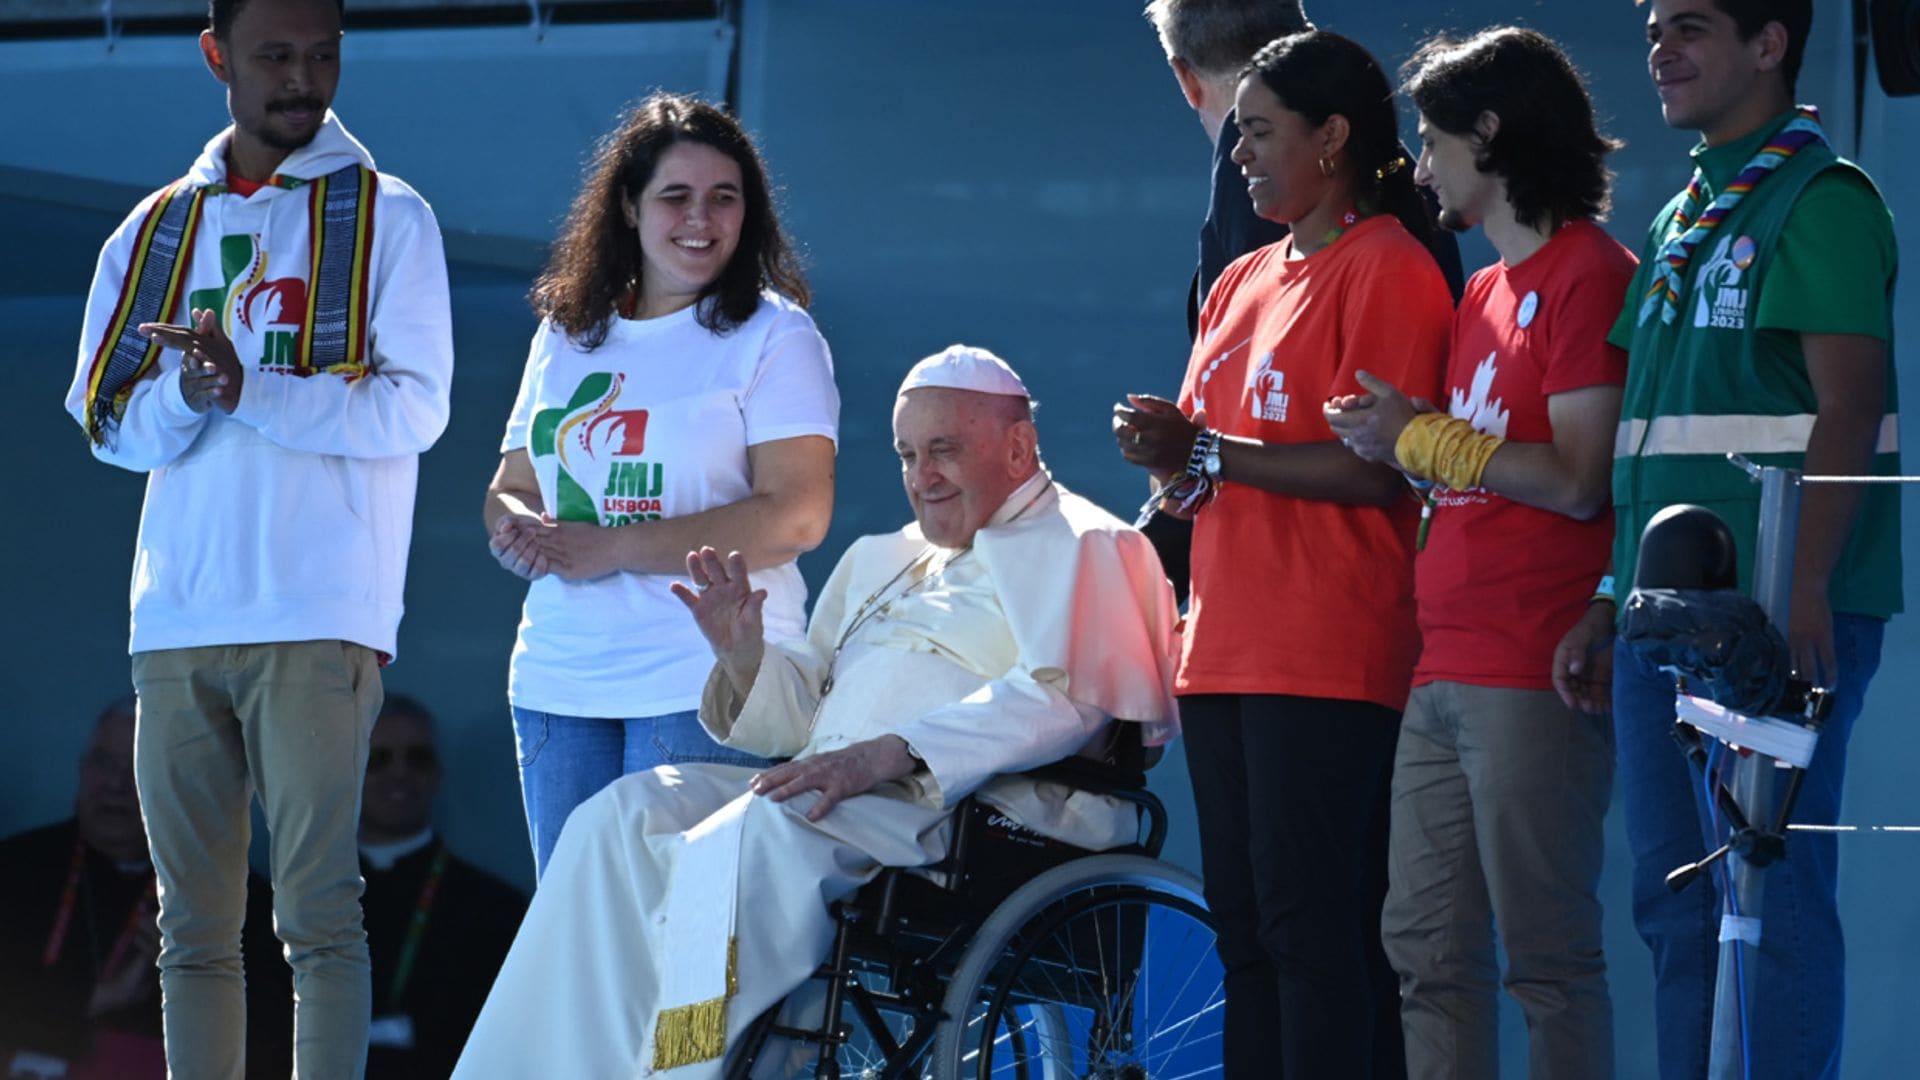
285, 142
1453, 220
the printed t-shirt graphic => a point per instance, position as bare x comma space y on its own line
600, 472
273, 309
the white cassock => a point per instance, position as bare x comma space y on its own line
990, 660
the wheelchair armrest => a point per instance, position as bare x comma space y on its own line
1100, 778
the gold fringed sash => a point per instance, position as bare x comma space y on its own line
700, 952
156, 273
685, 1034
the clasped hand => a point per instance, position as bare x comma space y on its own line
1370, 423
532, 547
210, 371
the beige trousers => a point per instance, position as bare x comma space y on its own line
1499, 796
289, 721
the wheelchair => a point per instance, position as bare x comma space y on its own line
1016, 955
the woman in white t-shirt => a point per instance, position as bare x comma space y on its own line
676, 396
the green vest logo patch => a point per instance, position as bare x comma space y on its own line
1720, 296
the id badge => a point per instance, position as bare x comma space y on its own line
392, 1032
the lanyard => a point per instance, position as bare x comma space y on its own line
70, 902
417, 927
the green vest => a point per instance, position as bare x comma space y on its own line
1711, 382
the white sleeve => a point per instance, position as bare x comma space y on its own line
1010, 725
520, 421
792, 392
775, 718
400, 405
158, 426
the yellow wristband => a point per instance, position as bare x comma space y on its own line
1445, 449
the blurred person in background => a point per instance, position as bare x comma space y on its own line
79, 989
437, 925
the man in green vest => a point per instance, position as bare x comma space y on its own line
1760, 323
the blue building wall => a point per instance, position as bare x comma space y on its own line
1018, 175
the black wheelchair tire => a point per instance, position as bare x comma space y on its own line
977, 1012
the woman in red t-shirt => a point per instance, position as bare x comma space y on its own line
1300, 638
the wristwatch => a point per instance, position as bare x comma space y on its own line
1210, 464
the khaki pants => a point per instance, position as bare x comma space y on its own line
1498, 800
290, 721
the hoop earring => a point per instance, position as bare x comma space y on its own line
1326, 168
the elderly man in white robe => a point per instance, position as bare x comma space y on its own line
1000, 631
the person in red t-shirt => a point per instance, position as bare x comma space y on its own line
1499, 787
1300, 639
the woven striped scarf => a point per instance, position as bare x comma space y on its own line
162, 251
1685, 232
333, 334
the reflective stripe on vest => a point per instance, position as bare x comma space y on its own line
1734, 434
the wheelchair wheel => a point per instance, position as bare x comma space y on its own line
1101, 968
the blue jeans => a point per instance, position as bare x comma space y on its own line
564, 760
1795, 1018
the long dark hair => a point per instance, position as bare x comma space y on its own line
1319, 75
1546, 148
597, 260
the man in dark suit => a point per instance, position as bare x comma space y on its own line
79, 991
437, 926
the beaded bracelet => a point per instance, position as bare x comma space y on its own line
1189, 489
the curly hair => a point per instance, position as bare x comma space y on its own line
1319, 74
1546, 148
597, 260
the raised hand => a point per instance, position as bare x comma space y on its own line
727, 609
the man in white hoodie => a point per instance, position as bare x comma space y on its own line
268, 339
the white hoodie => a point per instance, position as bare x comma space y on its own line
290, 519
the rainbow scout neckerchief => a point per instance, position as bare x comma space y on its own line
1682, 238
333, 333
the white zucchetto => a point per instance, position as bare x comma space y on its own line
964, 367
